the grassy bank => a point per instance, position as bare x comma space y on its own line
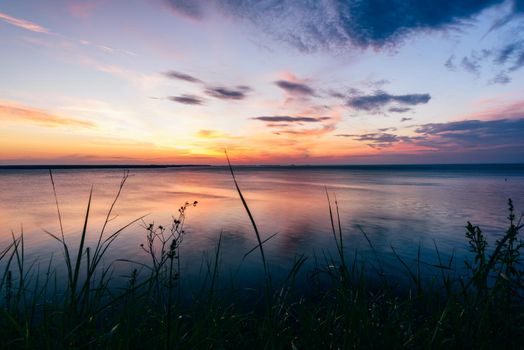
483, 308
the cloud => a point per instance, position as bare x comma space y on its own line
450, 63
405, 119
13, 112
378, 140
21, 23
211, 134
295, 125
336, 94
223, 93
187, 99
511, 55
501, 78
314, 25
188, 8
295, 88
475, 129
288, 119
507, 58
474, 135
379, 23
399, 110
470, 65
380, 99
217, 91
460, 136
517, 8
182, 76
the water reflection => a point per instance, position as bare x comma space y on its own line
395, 207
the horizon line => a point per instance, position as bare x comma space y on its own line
161, 166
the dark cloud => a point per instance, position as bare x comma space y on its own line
405, 119
517, 9
378, 23
336, 94
223, 93
399, 110
187, 99
450, 63
511, 55
507, 58
289, 119
313, 25
501, 78
505, 53
378, 140
474, 134
295, 88
181, 76
483, 130
380, 98
519, 62
470, 65
298, 125
462, 136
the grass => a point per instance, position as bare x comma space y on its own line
482, 309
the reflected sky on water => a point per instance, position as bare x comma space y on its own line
396, 206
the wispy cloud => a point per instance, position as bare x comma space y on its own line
399, 110
379, 140
13, 112
380, 99
470, 65
289, 119
187, 99
506, 58
295, 88
225, 93
22, 23
298, 125
221, 92
182, 76
313, 25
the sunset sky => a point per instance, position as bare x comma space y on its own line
273, 82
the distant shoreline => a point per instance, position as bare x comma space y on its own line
100, 166
464, 166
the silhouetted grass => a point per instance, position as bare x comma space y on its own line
482, 309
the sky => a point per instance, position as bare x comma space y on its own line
270, 81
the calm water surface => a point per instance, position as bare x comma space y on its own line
403, 207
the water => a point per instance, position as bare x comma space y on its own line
397, 206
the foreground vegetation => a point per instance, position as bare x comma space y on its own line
483, 308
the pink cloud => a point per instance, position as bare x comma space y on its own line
21, 23
13, 112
